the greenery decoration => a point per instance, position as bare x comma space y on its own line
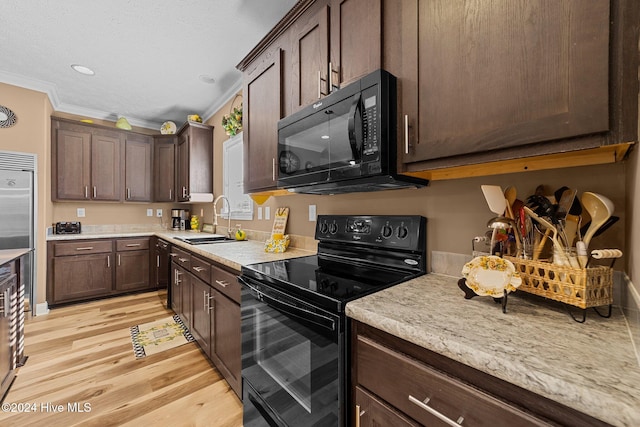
232, 123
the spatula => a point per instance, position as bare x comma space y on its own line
495, 198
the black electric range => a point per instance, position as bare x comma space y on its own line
299, 304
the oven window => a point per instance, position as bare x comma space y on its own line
286, 358
291, 363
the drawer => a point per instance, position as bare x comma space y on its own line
181, 257
200, 269
407, 384
132, 244
226, 282
82, 247
370, 411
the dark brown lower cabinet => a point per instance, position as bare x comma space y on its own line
207, 298
372, 411
79, 270
226, 340
177, 273
202, 296
8, 291
399, 383
132, 270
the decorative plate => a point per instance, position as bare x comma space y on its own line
491, 275
168, 128
7, 117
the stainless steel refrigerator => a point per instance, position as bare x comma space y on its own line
18, 213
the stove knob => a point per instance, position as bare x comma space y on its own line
402, 232
387, 231
333, 228
324, 228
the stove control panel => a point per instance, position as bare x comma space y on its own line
387, 231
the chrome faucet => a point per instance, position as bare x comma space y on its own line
215, 214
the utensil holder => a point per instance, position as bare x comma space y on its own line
579, 287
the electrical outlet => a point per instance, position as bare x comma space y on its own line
159, 213
267, 212
149, 212
80, 212
312, 212
259, 212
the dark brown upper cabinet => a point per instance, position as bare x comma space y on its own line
138, 163
501, 81
86, 162
263, 100
333, 43
290, 69
195, 160
164, 168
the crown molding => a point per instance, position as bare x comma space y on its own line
51, 91
32, 84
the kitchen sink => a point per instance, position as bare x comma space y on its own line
205, 240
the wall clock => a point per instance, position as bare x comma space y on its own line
7, 117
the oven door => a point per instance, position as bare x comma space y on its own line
292, 359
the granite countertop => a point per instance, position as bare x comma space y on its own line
591, 367
7, 255
232, 254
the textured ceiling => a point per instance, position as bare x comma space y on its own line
147, 54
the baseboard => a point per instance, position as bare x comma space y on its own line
42, 308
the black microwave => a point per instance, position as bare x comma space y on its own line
345, 142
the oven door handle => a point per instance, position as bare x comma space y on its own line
292, 310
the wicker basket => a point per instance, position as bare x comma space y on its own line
580, 287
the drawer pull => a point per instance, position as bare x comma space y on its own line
406, 134
173, 255
435, 413
183, 259
132, 245
198, 269
359, 413
222, 283
86, 248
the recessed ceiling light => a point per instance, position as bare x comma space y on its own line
83, 70
206, 79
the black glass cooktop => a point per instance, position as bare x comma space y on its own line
328, 283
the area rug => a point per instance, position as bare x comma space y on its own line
160, 335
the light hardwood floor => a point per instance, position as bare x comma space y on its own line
82, 354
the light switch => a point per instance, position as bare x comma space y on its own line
312, 212
267, 212
80, 212
149, 212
